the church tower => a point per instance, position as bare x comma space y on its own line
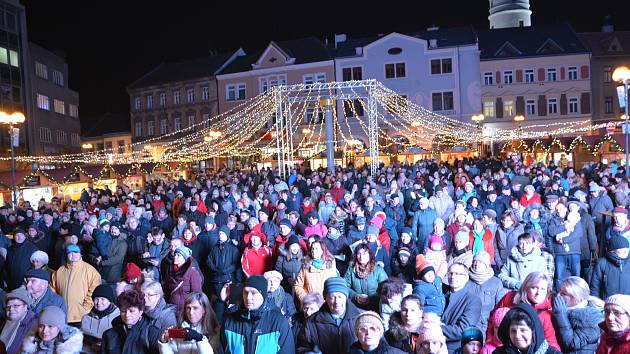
509, 13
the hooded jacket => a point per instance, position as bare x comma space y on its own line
397, 336
223, 262
518, 266
112, 267
539, 343
578, 330
94, 326
181, 282
69, 341
610, 276
18, 261
321, 330
504, 241
310, 279
141, 338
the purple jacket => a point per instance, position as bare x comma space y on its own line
28, 323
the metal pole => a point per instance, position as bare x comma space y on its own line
625, 87
330, 147
12, 167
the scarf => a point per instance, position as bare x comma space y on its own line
363, 271
460, 252
478, 241
106, 312
317, 263
481, 277
332, 236
536, 224
188, 242
277, 297
9, 331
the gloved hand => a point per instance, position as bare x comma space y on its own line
559, 304
191, 334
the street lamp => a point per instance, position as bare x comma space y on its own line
11, 120
87, 146
622, 75
519, 119
478, 119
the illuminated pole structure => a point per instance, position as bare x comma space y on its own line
622, 74
478, 118
11, 120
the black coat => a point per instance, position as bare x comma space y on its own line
18, 262
223, 262
136, 244
321, 330
610, 276
577, 329
462, 310
397, 336
142, 338
383, 348
538, 341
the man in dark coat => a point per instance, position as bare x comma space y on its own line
462, 310
611, 273
18, 260
331, 329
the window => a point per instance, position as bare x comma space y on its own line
206, 120
149, 101
73, 110
395, 70
162, 99
4, 57
190, 95
151, 128
441, 66
608, 104
44, 135
313, 78
60, 106
13, 58
61, 137
508, 108
41, 70
530, 107
488, 108
508, 77
353, 73
529, 76
176, 97
573, 105
100, 146
163, 126
314, 115
552, 75
572, 73
43, 102
58, 77
205, 93
442, 101
607, 73
191, 121
138, 103
236, 92
488, 79
352, 108
177, 124
552, 106
75, 140
271, 81
138, 129
121, 146
108, 145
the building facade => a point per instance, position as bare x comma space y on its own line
541, 72
509, 13
437, 69
55, 127
108, 131
175, 96
609, 49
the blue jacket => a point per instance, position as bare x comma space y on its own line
262, 331
103, 242
49, 298
431, 295
422, 225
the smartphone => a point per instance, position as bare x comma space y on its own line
177, 333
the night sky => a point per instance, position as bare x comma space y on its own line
109, 44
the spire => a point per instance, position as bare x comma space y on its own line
509, 13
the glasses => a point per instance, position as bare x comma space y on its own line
607, 312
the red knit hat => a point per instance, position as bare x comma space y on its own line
422, 266
132, 272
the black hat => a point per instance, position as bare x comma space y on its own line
37, 273
264, 211
313, 215
617, 242
292, 240
259, 283
286, 223
105, 291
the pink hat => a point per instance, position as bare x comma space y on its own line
436, 239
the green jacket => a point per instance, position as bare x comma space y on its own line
367, 286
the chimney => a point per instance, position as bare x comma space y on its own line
608, 27
433, 43
359, 50
433, 28
340, 38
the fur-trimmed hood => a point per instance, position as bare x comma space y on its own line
544, 216
69, 341
397, 330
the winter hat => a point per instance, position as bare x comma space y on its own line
37, 273
594, 187
483, 257
132, 271
286, 223
225, 230
423, 266
361, 220
313, 215
52, 316
335, 285
407, 230
184, 251
436, 239
490, 213
404, 251
462, 235
111, 210
620, 210
273, 274
292, 240
20, 294
73, 249
372, 230
617, 242
102, 221
471, 334
552, 198
579, 194
620, 300
105, 291
257, 282
369, 318
498, 316
432, 333
209, 220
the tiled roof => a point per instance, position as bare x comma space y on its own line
607, 43
521, 42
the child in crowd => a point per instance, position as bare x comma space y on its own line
428, 287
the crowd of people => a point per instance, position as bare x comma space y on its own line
481, 255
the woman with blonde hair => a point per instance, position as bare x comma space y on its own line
319, 266
200, 325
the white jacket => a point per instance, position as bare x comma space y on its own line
189, 347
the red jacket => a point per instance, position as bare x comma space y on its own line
545, 315
488, 246
535, 199
256, 261
337, 194
609, 345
